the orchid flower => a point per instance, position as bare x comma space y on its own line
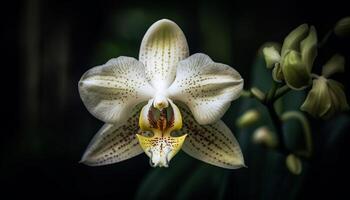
161, 103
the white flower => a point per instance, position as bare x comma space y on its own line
161, 103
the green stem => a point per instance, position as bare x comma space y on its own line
281, 92
306, 130
269, 103
314, 76
325, 39
278, 128
271, 93
269, 99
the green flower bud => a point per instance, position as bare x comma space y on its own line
248, 118
293, 39
294, 164
308, 48
277, 73
298, 52
342, 28
295, 72
334, 65
265, 137
326, 98
257, 93
271, 56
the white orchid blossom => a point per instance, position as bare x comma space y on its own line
161, 103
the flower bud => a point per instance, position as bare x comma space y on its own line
277, 73
248, 118
271, 56
342, 28
326, 98
308, 48
257, 93
293, 39
265, 137
299, 51
295, 72
294, 164
334, 65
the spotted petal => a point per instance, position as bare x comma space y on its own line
206, 87
162, 47
213, 144
111, 90
114, 143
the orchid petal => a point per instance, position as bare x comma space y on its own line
109, 91
114, 143
206, 87
214, 144
162, 47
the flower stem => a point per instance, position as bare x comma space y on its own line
281, 92
271, 93
314, 76
325, 39
278, 127
269, 99
306, 130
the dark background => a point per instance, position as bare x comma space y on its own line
48, 45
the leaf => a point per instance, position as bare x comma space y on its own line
261, 76
162, 183
292, 129
206, 181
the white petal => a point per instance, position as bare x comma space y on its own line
162, 47
213, 144
206, 87
114, 143
109, 91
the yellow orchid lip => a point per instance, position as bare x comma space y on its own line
161, 147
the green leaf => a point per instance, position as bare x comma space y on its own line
293, 132
261, 76
205, 181
161, 183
